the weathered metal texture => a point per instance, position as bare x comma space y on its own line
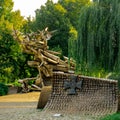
73, 84
93, 96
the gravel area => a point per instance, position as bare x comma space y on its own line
34, 114
23, 107
28, 111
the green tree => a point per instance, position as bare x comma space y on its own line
17, 20
12, 60
61, 16
98, 44
73, 8
54, 17
10, 53
5, 10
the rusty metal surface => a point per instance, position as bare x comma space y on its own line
95, 96
73, 84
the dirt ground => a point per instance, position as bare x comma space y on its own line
22, 106
20, 97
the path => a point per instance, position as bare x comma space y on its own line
23, 107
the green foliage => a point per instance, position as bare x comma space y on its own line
16, 83
17, 20
57, 49
115, 116
31, 82
5, 9
95, 71
98, 44
115, 76
13, 63
3, 89
11, 55
54, 17
8, 18
73, 8
72, 42
61, 16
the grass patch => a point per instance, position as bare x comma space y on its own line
115, 116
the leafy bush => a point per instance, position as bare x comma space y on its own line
112, 117
3, 89
17, 84
115, 76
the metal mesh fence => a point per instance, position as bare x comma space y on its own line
90, 96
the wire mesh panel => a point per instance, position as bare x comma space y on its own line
83, 95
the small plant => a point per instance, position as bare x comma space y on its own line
3, 89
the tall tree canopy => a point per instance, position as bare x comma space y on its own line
53, 16
11, 57
98, 43
5, 11
61, 16
73, 8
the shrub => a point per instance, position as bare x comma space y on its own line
17, 84
3, 89
115, 76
